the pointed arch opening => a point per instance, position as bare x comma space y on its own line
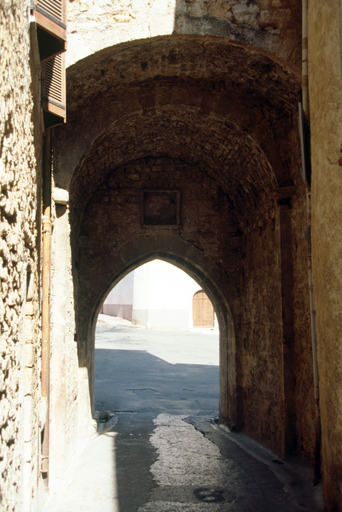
148, 356
159, 295
227, 351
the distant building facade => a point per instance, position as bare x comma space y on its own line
159, 295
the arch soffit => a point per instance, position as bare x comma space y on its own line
217, 77
197, 58
226, 153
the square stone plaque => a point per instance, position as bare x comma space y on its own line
160, 207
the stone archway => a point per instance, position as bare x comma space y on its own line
227, 398
209, 127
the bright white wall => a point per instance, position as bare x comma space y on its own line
160, 295
169, 286
155, 295
141, 288
163, 296
122, 293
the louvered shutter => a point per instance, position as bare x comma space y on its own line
53, 88
52, 9
51, 16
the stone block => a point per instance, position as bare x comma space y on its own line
29, 357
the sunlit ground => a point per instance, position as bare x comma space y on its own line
195, 346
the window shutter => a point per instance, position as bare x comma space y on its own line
51, 16
51, 19
52, 9
53, 89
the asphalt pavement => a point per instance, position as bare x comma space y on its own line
159, 447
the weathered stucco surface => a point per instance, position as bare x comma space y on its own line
66, 382
19, 259
326, 129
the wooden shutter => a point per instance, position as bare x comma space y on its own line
50, 17
52, 9
53, 87
50, 21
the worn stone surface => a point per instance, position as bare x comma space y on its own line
19, 250
270, 25
326, 126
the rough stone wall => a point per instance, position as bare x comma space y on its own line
271, 25
261, 371
113, 217
267, 363
19, 250
325, 97
252, 262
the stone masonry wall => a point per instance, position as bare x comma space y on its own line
19, 308
263, 374
261, 371
270, 25
252, 262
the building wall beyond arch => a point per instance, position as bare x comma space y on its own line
155, 295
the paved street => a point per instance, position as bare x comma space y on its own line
161, 448
156, 371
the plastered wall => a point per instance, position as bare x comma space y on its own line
325, 97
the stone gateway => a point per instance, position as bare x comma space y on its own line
206, 134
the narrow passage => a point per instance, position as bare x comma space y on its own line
160, 448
